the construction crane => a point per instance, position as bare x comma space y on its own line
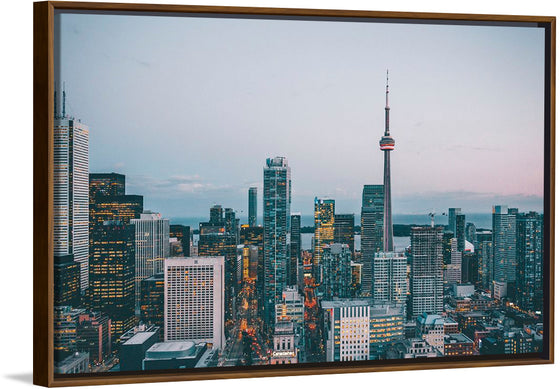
432, 217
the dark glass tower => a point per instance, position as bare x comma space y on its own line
252, 207
183, 235
529, 294
295, 249
66, 281
324, 232
106, 184
111, 274
387, 144
371, 232
276, 217
122, 208
460, 231
151, 301
216, 241
344, 230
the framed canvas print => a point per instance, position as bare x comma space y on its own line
226, 192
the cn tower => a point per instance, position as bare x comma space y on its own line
387, 144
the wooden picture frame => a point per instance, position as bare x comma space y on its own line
43, 237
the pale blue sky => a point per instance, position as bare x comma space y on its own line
190, 108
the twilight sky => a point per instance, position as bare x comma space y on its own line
189, 109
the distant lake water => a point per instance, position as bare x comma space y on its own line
400, 242
480, 220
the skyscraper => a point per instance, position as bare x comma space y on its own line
529, 294
194, 300
295, 263
460, 231
252, 221
231, 223
426, 270
452, 217
389, 277
111, 274
151, 248
504, 239
453, 270
276, 213
344, 230
214, 241
337, 272
324, 231
71, 191
217, 214
106, 184
122, 208
470, 233
66, 281
371, 232
183, 235
485, 254
152, 290
254, 236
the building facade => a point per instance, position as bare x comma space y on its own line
426, 270
336, 279
324, 232
295, 264
344, 230
277, 196
194, 300
529, 294
111, 275
71, 192
505, 250
252, 219
371, 232
151, 248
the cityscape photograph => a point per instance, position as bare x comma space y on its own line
238, 192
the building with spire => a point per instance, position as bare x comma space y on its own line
387, 144
389, 268
71, 190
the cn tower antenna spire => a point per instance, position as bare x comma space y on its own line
387, 132
387, 144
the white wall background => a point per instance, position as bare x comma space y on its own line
16, 157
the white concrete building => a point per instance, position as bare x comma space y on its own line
151, 248
346, 329
194, 300
71, 192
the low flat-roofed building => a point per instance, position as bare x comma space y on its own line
73, 364
463, 290
415, 348
173, 355
284, 348
458, 345
133, 351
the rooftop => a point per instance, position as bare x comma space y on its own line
139, 338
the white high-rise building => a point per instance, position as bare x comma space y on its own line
151, 248
453, 271
389, 277
426, 270
347, 329
71, 192
194, 300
